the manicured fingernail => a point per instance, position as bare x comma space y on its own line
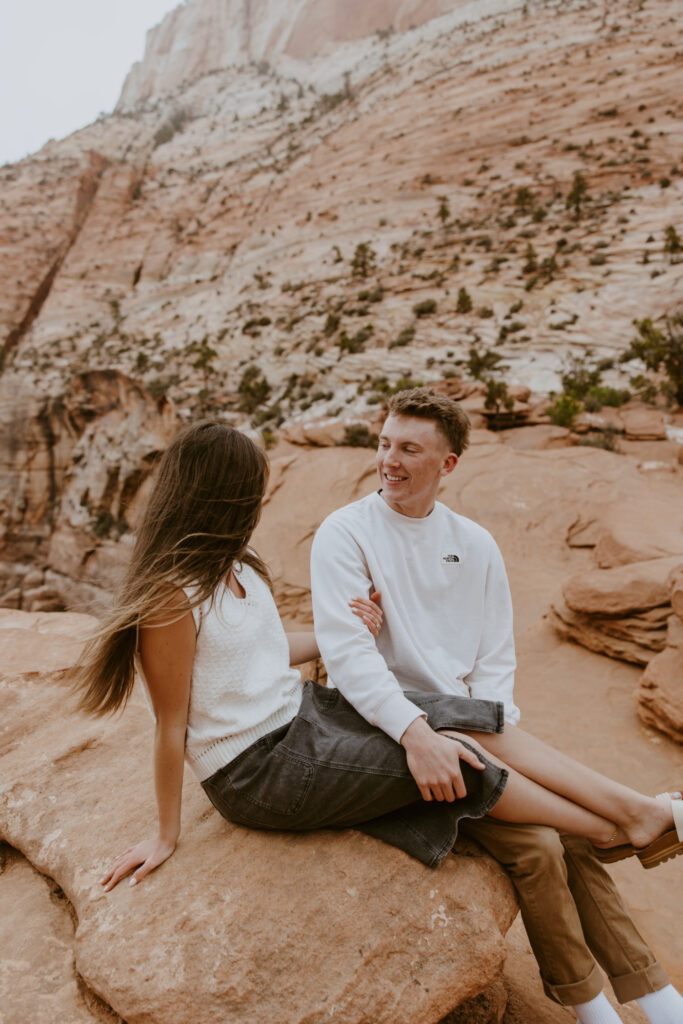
133, 881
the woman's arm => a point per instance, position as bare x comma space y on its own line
167, 653
302, 648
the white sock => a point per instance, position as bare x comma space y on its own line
597, 1011
665, 1006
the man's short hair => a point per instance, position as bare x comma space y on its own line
427, 404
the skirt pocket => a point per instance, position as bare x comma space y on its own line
268, 788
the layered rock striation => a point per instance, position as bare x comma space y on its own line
201, 36
623, 612
632, 608
660, 695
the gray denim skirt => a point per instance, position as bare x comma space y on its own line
329, 768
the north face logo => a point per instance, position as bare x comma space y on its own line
450, 558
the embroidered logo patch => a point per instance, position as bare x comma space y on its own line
450, 558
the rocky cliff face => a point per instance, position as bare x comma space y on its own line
205, 35
284, 245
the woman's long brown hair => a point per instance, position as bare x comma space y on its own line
200, 517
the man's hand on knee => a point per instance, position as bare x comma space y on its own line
434, 761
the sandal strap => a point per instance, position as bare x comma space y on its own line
677, 809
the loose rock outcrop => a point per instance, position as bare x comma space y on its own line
239, 926
660, 695
622, 612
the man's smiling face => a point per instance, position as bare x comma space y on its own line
412, 458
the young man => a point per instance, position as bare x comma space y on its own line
448, 628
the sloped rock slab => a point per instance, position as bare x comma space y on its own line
238, 926
621, 591
637, 638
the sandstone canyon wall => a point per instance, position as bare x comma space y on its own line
204, 35
284, 245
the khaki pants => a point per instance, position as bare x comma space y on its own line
572, 912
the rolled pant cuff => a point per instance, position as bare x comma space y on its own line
578, 991
639, 983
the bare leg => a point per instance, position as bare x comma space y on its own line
526, 802
640, 818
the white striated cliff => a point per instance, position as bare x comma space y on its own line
202, 35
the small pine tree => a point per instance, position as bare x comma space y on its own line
363, 260
464, 303
444, 210
661, 350
497, 397
577, 194
524, 200
672, 242
531, 264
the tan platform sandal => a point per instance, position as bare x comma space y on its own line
666, 846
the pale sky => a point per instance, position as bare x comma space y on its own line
62, 62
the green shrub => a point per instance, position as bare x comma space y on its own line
506, 329
661, 350
564, 411
173, 124
524, 199
358, 435
579, 378
355, 343
646, 390
425, 307
253, 389
251, 327
404, 383
672, 242
404, 337
464, 301
497, 397
577, 195
596, 397
331, 324
363, 261
376, 295
444, 210
479, 362
531, 260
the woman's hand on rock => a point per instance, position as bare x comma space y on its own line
145, 856
368, 609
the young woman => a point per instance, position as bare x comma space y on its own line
197, 619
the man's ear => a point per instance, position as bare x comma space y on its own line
449, 464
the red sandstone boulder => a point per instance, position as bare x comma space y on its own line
238, 925
636, 587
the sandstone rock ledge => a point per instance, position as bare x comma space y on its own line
660, 695
238, 926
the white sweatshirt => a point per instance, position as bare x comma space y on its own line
447, 610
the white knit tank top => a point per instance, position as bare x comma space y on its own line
242, 685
